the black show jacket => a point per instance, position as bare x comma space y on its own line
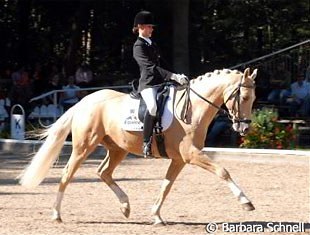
148, 58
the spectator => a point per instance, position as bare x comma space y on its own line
70, 95
218, 126
20, 76
53, 84
299, 98
39, 80
21, 91
280, 82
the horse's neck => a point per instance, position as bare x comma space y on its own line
205, 111
201, 113
211, 91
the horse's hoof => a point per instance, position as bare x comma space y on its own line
126, 212
159, 224
57, 220
248, 206
125, 209
56, 217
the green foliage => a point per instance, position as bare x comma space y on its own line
5, 132
236, 30
223, 32
267, 132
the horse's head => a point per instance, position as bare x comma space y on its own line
238, 98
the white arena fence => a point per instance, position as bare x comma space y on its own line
28, 147
55, 110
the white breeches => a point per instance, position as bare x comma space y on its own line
149, 96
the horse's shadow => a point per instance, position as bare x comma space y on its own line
116, 222
264, 224
141, 223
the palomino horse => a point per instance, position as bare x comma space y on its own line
96, 119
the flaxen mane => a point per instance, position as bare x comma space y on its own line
215, 73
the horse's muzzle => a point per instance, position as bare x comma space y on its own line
242, 126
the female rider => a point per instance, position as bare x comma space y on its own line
146, 54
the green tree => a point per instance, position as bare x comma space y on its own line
180, 36
195, 35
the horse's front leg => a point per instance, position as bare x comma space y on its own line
105, 171
174, 169
201, 159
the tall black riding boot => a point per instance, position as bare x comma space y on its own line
149, 122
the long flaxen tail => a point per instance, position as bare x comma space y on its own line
42, 161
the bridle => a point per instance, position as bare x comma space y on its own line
236, 103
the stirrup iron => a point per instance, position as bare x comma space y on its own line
147, 149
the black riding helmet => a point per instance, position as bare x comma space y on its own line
143, 17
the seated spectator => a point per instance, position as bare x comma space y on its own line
299, 98
218, 126
280, 82
53, 84
70, 95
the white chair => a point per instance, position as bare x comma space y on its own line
51, 110
43, 111
35, 113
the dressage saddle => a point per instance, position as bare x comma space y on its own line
162, 97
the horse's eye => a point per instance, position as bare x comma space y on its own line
245, 98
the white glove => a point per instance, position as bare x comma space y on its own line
180, 78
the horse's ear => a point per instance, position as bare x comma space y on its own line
246, 72
254, 74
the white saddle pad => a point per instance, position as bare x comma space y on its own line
130, 120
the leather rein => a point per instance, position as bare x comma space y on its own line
235, 94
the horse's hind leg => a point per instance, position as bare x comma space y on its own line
201, 159
105, 171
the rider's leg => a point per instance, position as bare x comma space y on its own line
148, 126
149, 96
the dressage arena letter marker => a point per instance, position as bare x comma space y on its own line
17, 123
